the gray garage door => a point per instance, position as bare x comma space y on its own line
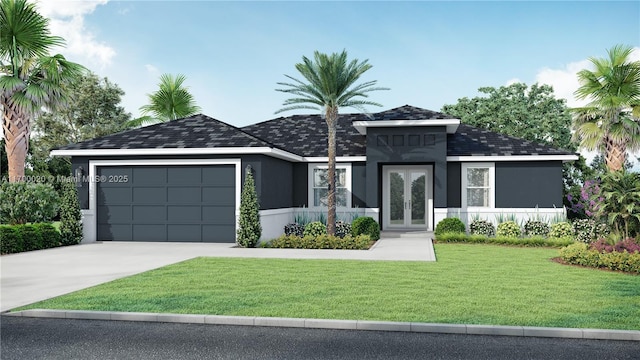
166, 203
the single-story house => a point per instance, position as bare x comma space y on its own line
407, 167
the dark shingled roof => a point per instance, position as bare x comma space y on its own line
306, 135
408, 112
197, 131
470, 141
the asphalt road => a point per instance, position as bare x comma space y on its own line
35, 338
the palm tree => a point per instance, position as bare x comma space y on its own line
172, 101
610, 122
30, 79
330, 85
621, 208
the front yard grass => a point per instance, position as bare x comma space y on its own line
469, 284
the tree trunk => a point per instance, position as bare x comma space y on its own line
332, 119
15, 123
616, 154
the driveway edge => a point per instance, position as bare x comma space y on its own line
524, 331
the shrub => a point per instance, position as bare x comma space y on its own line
294, 229
482, 227
628, 245
561, 229
534, 241
22, 203
365, 226
70, 216
315, 228
450, 225
536, 228
249, 227
50, 236
509, 229
10, 240
588, 230
31, 237
323, 241
580, 254
343, 229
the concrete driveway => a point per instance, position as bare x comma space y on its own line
38, 275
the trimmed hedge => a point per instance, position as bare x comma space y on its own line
360, 242
534, 241
450, 225
365, 225
580, 254
20, 238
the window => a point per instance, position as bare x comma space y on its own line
318, 185
478, 184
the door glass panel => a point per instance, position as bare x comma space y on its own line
418, 198
396, 197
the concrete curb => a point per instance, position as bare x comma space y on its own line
595, 334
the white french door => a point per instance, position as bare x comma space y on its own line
407, 198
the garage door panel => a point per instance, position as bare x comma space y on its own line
114, 214
225, 196
149, 213
184, 233
184, 195
149, 175
218, 214
114, 177
114, 232
220, 175
110, 195
219, 233
150, 195
150, 232
182, 175
184, 214
167, 203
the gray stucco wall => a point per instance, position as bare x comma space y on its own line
529, 184
454, 184
359, 184
408, 146
300, 184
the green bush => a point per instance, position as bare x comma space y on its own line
31, 237
10, 240
536, 228
450, 225
502, 240
315, 228
365, 226
70, 215
580, 254
561, 229
509, 229
323, 241
22, 203
588, 230
50, 236
482, 227
249, 227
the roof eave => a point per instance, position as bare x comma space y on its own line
450, 124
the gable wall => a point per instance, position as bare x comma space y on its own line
391, 146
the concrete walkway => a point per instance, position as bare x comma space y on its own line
38, 275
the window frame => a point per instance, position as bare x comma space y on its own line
464, 183
311, 187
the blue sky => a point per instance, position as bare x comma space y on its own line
428, 53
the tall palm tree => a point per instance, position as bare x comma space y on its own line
170, 102
330, 85
30, 79
610, 122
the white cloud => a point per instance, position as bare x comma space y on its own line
513, 81
67, 20
565, 80
151, 69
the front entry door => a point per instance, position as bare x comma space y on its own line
407, 197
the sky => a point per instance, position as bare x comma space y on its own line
428, 53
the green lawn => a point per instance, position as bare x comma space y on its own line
471, 284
